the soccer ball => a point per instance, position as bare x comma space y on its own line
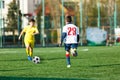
73, 52
36, 59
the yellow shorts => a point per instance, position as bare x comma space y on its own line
29, 43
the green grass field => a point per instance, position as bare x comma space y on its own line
98, 63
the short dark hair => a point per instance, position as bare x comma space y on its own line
68, 18
31, 20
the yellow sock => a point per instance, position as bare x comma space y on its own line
31, 53
27, 52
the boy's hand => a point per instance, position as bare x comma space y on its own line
60, 44
19, 37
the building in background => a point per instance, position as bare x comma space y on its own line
85, 13
27, 8
3, 11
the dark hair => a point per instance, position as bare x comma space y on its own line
68, 18
31, 20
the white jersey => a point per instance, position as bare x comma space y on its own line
72, 31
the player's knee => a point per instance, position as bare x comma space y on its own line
31, 49
27, 47
67, 50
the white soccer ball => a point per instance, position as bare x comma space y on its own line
72, 51
36, 59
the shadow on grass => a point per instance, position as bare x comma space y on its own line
105, 65
24, 78
6, 70
64, 58
9, 60
52, 58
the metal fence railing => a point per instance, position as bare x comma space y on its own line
50, 19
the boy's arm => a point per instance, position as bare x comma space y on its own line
62, 38
36, 32
21, 34
78, 37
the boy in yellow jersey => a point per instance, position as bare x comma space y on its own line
29, 39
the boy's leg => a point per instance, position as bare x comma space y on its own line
31, 48
67, 48
31, 51
27, 45
74, 49
27, 51
67, 58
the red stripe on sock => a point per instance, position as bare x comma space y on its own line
67, 55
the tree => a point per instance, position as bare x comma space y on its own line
12, 15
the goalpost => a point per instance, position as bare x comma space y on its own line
1, 22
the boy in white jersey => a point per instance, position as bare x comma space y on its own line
70, 37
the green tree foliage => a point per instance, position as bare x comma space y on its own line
39, 19
12, 15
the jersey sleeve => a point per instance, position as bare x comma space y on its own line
36, 29
77, 31
78, 36
24, 29
64, 30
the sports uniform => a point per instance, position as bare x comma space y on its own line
29, 39
70, 37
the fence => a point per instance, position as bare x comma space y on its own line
50, 20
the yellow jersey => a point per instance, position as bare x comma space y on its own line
29, 32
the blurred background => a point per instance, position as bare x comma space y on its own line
98, 21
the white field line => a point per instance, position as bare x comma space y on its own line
51, 51
86, 49
6, 51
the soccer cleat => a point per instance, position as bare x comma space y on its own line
68, 66
29, 58
74, 53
